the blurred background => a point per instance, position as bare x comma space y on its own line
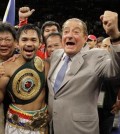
60, 10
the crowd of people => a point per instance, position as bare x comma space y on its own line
60, 81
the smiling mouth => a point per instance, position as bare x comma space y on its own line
29, 49
3, 50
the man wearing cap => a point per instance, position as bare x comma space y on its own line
92, 40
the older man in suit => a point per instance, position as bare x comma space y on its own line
73, 97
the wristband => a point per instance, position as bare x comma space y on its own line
23, 22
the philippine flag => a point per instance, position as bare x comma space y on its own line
9, 15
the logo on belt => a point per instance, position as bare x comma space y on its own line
26, 84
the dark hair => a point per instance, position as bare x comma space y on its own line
28, 27
52, 35
77, 20
6, 27
49, 23
100, 39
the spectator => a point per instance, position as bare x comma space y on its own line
47, 28
99, 41
53, 41
91, 41
7, 47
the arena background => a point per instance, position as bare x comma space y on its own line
60, 10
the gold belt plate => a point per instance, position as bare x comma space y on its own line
26, 84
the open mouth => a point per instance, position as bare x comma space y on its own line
29, 49
70, 43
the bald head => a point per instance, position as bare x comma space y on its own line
106, 44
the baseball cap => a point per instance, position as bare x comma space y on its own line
92, 37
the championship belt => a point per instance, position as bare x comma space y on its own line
38, 62
26, 84
35, 121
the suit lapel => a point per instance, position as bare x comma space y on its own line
74, 68
54, 63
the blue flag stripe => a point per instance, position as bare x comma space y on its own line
9, 15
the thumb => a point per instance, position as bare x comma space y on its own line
101, 17
33, 10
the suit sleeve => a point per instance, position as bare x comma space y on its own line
108, 64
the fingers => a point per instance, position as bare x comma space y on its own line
33, 10
24, 9
13, 58
115, 110
25, 12
2, 70
110, 22
101, 17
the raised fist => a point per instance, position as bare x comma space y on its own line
25, 12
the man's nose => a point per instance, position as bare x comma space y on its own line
29, 43
53, 48
2, 42
70, 35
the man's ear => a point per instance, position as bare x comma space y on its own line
86, 38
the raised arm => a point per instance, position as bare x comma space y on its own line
110, 24
109, 65
24, 13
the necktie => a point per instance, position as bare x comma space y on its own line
61, 74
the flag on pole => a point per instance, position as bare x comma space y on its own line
9, 15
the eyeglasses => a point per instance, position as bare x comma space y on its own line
7, 40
